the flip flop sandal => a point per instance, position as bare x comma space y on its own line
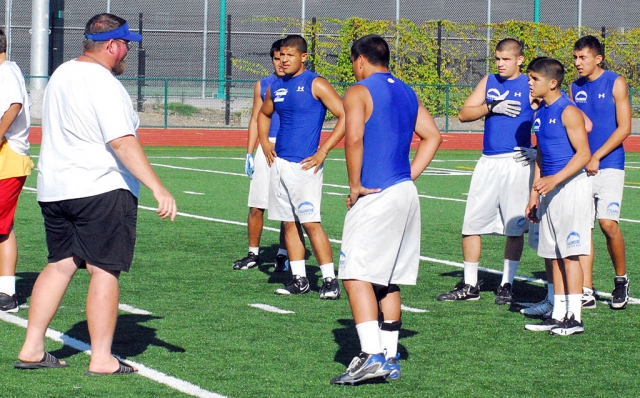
123, 369
47, 361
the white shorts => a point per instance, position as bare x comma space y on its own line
259, 187
498, 197
381, 237
565, 228
294, 194
607, 186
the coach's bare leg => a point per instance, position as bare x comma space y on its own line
319, 242
615, 245
102, 313
513, 248
471, 248
362, 300
8, 254
586, 264
294, 241
255, 222
47, 293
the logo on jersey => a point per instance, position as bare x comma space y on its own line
580, 97
493, 94
390, 80
518, 94
601, 95
552, 121
573, 240
536, 125
300, 89
280, 94
613, 209
306, 208
343, 259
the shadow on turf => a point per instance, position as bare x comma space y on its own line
24, 285
267, 263
130, 339
349, 345
522, 291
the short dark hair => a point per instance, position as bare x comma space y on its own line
275, 47
374, 48
3, 42
590, 42
510, 44
547, 67
98, 24
296, 41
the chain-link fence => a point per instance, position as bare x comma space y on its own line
187, 45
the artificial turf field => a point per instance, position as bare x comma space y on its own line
189, 319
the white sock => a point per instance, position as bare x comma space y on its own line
622, 276
369, 335
282, 251
550, 293
470, 273
560, 307
8, 285
575, 305
586, 290
389, 342
328, 271
510, 268
254, 250
298, 267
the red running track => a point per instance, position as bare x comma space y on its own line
210, 137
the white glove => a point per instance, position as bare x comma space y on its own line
248, 165
505, 107
526, 156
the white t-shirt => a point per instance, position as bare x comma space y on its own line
13, 91
85, 107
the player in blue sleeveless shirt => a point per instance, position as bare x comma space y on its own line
560, 194
501, 180
604, 97
381, 237
259, 172
301, 99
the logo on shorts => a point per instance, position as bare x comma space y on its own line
573, 240
613, 209
536, 125
306, 208
521, 222
493, 94
343, 259
280, 94
580, 97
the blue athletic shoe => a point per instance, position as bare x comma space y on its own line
363, 367
393, 366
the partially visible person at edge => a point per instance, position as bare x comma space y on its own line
381, 237
258, 170
301, 99
89, 173
15, 166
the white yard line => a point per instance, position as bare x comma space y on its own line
270, 308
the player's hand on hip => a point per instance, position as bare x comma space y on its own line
316, 160
269, 152
356, 193
526, 156
248, 165
166, 204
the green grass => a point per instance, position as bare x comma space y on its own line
202, 329
182, 109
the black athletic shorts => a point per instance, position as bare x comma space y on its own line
100, 229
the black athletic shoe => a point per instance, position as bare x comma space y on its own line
568, 326
8, 303
251, 261
330, 289
363, 367
504, 294
462, 291
282, 263
297, 285
588, 299
544, 326
620, 293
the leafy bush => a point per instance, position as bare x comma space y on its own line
182, 109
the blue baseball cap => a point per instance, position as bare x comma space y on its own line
122, 32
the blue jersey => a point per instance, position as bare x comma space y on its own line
275, 118
553, 141
301, 116
595, 99
503, 133
388, 132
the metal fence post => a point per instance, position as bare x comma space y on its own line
446, 108
166, 102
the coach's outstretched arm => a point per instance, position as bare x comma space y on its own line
131, 154
430, 140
